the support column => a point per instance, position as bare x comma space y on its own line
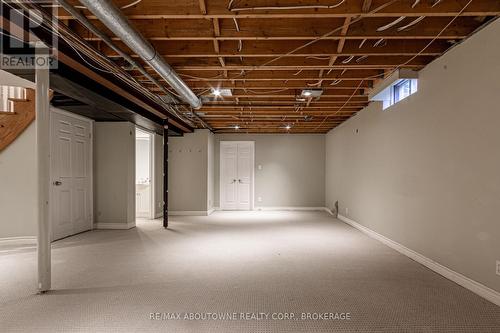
165, 175
43, 165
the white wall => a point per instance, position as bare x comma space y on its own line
211, 171
293, 168
188, 172
18, 186
142, 167
158, 174
426, 171
18, 177
114, 173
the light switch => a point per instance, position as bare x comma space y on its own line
259, 166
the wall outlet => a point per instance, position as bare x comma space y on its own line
498, 267
259, 199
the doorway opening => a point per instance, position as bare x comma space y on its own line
144, 174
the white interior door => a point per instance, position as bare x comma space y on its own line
71, 174
236, 175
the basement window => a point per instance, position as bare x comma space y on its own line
403, 89
397, 91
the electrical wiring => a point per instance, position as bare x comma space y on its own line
412, 23
435, 3
236, 24
106, 66
379, 42
316, 39
360, 59
315, 84
268, 92
343, 105
362, 43
132, 4
347, 60
288, 7
415, 3
390, 25
401, 65
335, 82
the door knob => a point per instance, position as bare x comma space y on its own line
57, 183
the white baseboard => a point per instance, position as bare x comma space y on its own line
291, 208
19, 240
474, 286
115, 226
190, 212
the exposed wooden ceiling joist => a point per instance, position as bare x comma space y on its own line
262, 56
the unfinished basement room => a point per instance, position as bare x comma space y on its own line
250, 166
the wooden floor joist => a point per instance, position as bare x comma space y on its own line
266, 57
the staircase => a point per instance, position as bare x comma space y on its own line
17, 111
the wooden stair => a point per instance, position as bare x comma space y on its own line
13, 122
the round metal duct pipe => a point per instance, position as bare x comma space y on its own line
114, 20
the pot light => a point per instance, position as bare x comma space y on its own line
312, 92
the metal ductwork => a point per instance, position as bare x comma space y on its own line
114, 20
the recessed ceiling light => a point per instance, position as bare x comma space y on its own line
312, 92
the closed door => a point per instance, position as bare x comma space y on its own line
236, 175
70, 204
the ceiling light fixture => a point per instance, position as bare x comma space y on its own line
312, 92
236, 127
288, 127
216, 92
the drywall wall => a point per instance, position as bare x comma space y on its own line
18, 177
18, 186
211, 172
114, 174
426, 171
142, 167
158, 174
293, 168
188, 172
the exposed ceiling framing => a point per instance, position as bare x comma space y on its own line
267, 56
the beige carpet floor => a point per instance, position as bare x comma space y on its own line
260, 263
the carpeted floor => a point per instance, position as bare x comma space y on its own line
258, 264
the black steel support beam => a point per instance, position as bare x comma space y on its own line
165, 174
